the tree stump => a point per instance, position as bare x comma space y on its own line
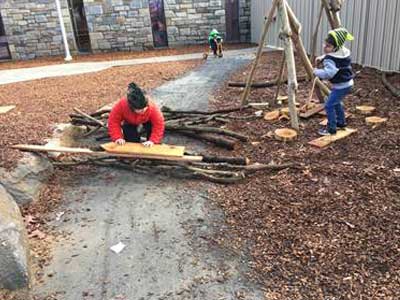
285, 134
375, 121
365, 109
272, 115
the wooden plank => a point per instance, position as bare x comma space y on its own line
326, 140
312, 111
6, 108
85, 151
139, 149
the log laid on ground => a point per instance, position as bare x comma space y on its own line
285, 134
375, 121
216, 140
327, 140
89, 117
225, 159
395, 91
365, 109
312, 111
85, 151
226, 132
263, 84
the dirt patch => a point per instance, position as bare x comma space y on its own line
43, 103
115, 56
329, 229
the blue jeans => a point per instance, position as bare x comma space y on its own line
334, 109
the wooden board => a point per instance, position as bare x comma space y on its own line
312, 111
326, 140
138, 148
6, 108
85, 151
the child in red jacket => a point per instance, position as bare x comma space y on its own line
129, 113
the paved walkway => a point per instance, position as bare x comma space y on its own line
24, 74
165, 224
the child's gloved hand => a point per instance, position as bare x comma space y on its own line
148, 144
120, 142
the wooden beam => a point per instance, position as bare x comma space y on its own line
315, 35
303, 53
246, 91
139, 149
85, 151
285, 34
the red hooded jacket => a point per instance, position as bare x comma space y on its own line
122, 113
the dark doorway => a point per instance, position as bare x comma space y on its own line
81, 32
4, 50
232, 20
158, 24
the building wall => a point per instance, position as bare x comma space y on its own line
32, 28
118, 25
374, 24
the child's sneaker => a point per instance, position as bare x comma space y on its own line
341, 127
325, 132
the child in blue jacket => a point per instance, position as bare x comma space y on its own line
337, 69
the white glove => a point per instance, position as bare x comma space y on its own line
148, 144
120, 142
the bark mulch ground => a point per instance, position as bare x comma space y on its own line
114, 56
329, 229
42, 103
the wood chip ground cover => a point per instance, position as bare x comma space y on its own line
331, 228
42, 103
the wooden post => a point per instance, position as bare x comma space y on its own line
315, 35
259, 51
302, 51
279, 80
333, 18
286, 33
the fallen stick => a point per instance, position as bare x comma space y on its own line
85, 151
167, 110
89, 117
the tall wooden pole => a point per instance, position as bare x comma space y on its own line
259, 51
333, 17
315, 35
286, 33
280, 76
296, 29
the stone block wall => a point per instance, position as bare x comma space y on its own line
245, 20
118, 25
32, 28
190, 21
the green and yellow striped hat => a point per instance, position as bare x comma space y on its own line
338, 37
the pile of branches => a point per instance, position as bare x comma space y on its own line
220, 170
201, 125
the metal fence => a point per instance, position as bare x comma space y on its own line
375, 25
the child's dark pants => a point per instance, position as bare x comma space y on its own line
213, 45
334, 109
131, 133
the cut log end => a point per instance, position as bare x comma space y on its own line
272, 116
285, 134
374, 121
365, 109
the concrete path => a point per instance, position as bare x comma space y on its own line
24, 74
166, 224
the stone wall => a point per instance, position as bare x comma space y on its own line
32, 28
118, 25
190, 21
244, 20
